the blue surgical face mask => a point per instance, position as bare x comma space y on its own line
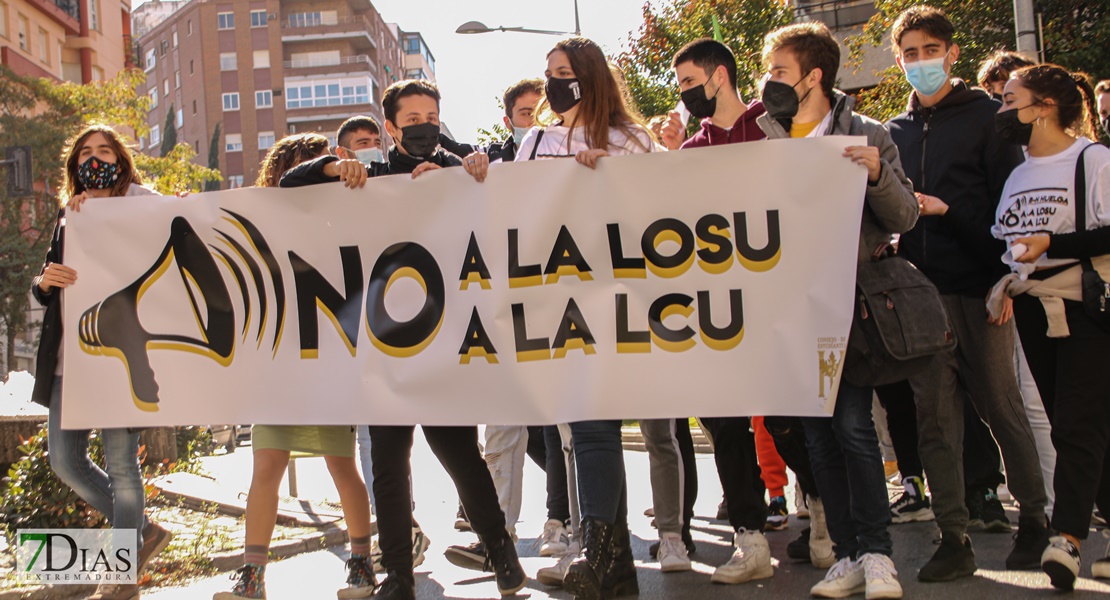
370, 155
927, 76
519, 133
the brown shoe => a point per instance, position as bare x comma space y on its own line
155, 540
115, 591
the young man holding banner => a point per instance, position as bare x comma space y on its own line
412, 119
707, 68
802, 62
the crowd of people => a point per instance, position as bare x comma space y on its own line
998, 193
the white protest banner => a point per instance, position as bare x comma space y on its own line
707, 282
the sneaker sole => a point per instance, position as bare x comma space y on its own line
1101, 569
954, 575
355, 594
883, 595
685, 566
838, 593
726, 579
917, 516
465, 561
511, 591
1060, 575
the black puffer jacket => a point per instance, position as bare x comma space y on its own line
952, 151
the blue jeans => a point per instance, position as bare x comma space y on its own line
848, 468
118, 493
599, 460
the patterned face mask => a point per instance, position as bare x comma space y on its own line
95, 174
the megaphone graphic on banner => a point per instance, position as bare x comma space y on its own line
112, 326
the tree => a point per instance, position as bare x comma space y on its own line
646, 62
213, 160
169, 135
1076, 36
44, 114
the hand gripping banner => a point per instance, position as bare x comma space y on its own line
708, 282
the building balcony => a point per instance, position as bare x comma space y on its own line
836, 14
357, 29
66, 13
327, 113
359, 63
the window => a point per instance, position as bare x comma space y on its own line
165, 87
263, 99
142, 142
179, 119
190, 67
233, 142
228, 61
265, 140
153, 98
94, 15
151, 60
231, 101
315, 59
262, 59
412, 45
177, 80
44, 47
225, 20
234, 181
98, 73
165, 46
155, 136
189, 27
175, 39
194, 107
23, 42
333, 92
258, 18
313, 19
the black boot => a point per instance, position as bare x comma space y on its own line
621, 578
396, 587
953, 559
1029, 544
501, 558
584, 577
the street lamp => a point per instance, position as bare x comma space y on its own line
475, 27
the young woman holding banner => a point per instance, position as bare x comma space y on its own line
97, 165
589, 116
272, 446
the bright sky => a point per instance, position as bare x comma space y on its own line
474, 70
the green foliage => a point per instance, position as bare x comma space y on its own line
34, 498
646, 62
1077, 37
214, 160
175, 171
169, 134
193, 442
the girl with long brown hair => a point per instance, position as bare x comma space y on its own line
97, 165
1055, 213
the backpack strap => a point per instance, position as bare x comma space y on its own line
536, 146
1081, 191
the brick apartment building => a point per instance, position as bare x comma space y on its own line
263, 69
71, 40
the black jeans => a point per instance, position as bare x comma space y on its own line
1071, 377
790, 441
689, 472
901, 422
458, 451
734, 453
558, 495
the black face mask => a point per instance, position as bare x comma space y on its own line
781, 101
698, 104
1010, 129
562, 94
420, 140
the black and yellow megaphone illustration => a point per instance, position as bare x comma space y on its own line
112, 326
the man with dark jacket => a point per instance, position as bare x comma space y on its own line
411, 110
520, 102
958, 166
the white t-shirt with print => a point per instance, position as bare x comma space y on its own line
1039, 199
554, 143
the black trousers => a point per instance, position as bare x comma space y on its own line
555, 467
790, 441
689, 472
738, 468
458, 451
1071, 375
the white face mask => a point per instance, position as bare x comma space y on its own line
370, 155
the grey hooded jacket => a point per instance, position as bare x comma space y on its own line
890, 206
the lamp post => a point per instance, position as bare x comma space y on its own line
471, 27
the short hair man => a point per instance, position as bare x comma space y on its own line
1102, 92
520, 102
802, 61
995, 70
958, 166
706, 73
360, 137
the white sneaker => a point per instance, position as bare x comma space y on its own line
880, 577
844, 579
553, 575
554, 540
1061, 561
801, 509
672, 553
821, 553
751, 560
